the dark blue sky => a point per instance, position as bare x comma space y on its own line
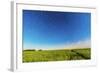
52, 28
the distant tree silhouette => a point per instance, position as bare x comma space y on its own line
40, 50
30, 50
33, 50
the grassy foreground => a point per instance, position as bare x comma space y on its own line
56, 55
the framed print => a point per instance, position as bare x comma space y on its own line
52, 36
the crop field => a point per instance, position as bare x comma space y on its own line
56, 55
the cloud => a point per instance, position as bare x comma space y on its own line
80, 44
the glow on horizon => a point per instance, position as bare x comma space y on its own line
79, 44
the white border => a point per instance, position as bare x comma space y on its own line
17, 64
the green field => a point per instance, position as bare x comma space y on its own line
56, 55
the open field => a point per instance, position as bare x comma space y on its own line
56, 55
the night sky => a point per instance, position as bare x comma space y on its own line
49, 28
